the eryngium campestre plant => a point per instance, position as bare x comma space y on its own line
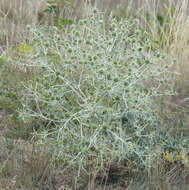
93, 92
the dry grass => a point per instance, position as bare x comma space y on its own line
174, 36
23, 165
14, 16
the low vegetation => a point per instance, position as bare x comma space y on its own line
95, 100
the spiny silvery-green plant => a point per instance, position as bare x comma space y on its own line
92, 95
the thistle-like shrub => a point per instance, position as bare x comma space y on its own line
93, 90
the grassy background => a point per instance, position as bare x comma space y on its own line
23, 164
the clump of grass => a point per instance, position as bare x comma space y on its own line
19, 165
14, 15
169, 28
92, 95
